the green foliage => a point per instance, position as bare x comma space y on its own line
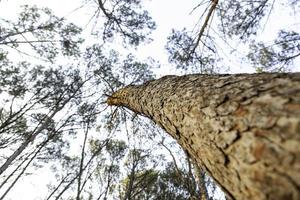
44, 33
12, 80
278, 56
168, 183
237, 21
180, 49
116, 149
125, 18
242, 18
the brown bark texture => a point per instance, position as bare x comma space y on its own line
243, 129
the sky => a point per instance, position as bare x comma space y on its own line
167, 14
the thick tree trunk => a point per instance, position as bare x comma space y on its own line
244, 129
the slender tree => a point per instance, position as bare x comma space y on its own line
242, 129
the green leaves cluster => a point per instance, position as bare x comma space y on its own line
39, 33
126, 19
232, 23
278, 56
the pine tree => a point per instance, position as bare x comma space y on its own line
242, 129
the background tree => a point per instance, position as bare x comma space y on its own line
48, 109
229, 23
42, 32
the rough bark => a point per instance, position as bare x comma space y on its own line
243, 129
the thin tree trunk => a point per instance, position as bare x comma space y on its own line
201, 182
81, 163
38, 129
58, 186
89, 162
132, 177
24, 169
243, 129
24, 145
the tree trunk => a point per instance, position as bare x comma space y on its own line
243, 129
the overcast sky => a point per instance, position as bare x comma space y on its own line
168, 14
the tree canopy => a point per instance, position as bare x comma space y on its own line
55, 76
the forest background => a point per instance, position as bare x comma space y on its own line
59, 62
